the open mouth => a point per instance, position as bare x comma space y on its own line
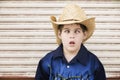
71, 42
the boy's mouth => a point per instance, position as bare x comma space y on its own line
71, 42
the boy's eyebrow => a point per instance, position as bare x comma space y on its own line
65, 28
78, 28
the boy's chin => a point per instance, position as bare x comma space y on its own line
72, 49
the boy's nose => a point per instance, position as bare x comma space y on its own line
72, 35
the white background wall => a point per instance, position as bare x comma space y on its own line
26, 33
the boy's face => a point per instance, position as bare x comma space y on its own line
72, 36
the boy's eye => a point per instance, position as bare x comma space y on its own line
77, 31
67, 31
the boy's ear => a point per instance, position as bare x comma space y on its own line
85, 34
59, 34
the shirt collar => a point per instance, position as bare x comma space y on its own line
58, 52
82, 55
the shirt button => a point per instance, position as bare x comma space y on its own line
68, 66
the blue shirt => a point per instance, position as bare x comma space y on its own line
84, 66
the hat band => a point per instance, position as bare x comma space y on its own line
71, 20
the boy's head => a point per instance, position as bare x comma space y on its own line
72, 36
73, 14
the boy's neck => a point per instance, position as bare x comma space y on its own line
69, 55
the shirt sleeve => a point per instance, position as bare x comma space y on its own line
100, 72
41, 73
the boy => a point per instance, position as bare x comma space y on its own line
71, 60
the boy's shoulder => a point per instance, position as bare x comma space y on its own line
48, 56
95, 59
93, 56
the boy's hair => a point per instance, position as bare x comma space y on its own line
84, 28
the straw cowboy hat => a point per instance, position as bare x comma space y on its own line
73, 14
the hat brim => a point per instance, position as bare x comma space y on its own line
89, 23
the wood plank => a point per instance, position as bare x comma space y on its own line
51, 4
41, 19
49, 26
56, 12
